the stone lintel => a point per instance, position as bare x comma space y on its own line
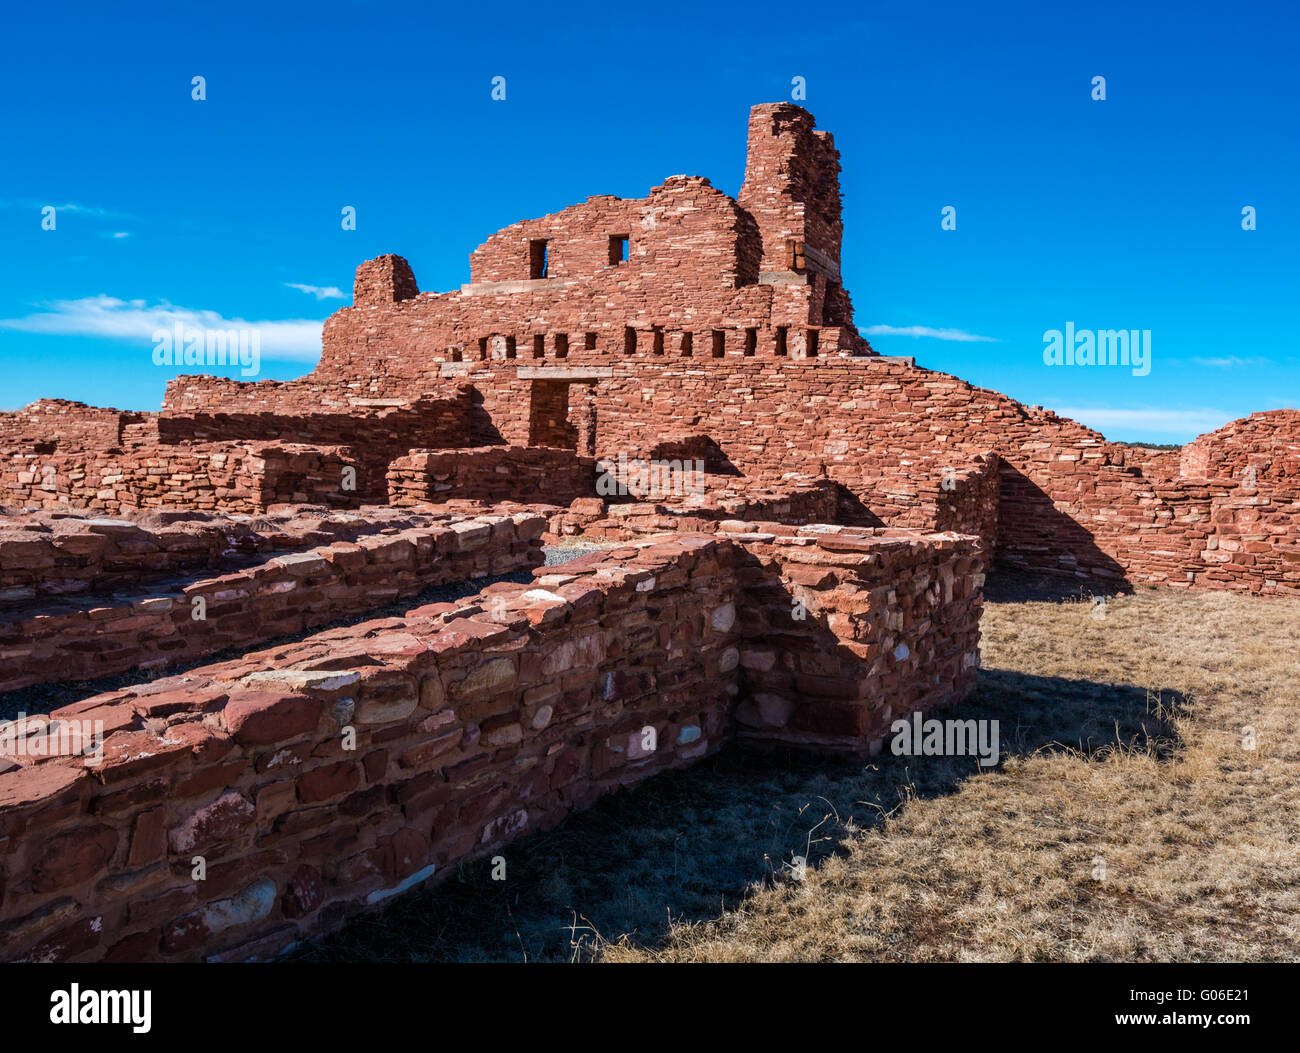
783, 278
500, 288
565, 372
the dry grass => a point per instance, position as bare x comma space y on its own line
1201, 842
1122, 739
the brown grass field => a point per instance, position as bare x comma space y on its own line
1122, 741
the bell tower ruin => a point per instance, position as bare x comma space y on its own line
792, 191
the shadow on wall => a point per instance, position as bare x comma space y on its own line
829, 651
1034, 535
481, 430
688, 844
695, 448
851, 510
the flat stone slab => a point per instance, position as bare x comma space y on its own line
565, 372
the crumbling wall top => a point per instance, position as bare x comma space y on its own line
383, 280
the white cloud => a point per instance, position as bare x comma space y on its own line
321, 292
1232, 362
67, 206
117, 234
926, 331
297, 339
1148, 418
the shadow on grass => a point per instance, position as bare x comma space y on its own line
687, 845
1021, 587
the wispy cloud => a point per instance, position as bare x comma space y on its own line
1232, 362
67, 206
958, 335
1148, 418
116, 235
297, 339
321, 292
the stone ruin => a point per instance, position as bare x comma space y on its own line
328, 740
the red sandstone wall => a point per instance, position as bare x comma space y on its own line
632, 348
792, 188
491, 473
1069, 503
475, 724
968, 502
72, 556
64, 554
385, 279
217, 477
284, 596
203, 409
684, 210
1268, 443
889, 627
721, 510
49, 424
761, 274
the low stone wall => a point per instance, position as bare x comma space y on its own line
809, 501
212, 477
53, 554
847, 631
58, 557
491, 473
201, 409
287, 595
969, 503
312, 782
49, 424
1179, 532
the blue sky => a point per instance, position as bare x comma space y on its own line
1116, 214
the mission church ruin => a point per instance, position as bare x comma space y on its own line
820, 578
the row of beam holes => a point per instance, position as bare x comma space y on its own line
718, 344
512, 351
630, 339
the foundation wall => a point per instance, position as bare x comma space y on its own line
377, 430
214, 477
313, 782
287, 595
888, 434
491, 473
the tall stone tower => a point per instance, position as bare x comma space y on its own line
792, 189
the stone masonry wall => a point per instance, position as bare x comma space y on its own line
69, 556
685, 271
66, 554
1070, 502
48, 424
378, 430
215, 477
726, 322
474, 723
287, 595
887, 624
491, 473
1265, 445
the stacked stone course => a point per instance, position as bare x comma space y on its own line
475, 723
491, 473
64, 554
215, 477
287, 595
